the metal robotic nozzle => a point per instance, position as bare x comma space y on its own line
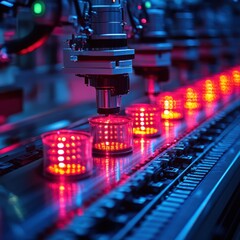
109, 89
100, 54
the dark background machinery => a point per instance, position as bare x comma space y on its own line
181, 185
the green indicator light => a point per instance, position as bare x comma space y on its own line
148, 4
38, 8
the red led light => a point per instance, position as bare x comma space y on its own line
225, 85
171, 105
67, 153
209, 90
111, 134
236, 80
191, 98
143, 20
236, 77
146, 119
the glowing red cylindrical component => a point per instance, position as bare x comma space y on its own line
146, 119
171, 105
236, 80
111, 134
67, 153
191, 96
209, 90
225, 86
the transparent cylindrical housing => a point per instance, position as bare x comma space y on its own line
171, 105
67, 153
191, 97
225, 85
235, 73
146, 119
209, 90
111, 134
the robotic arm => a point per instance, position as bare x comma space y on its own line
153, 51
99, 52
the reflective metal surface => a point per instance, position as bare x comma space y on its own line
52, 202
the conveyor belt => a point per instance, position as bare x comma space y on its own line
163, 189
169, 198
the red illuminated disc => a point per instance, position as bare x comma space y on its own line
111, 134
146, 119
67, 153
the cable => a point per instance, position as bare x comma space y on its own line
36, 37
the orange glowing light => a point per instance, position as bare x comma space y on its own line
236, 77
171, 106
209, 91
236, 81
111, 134
191, 99
225, 84
66, 169
166, 114
166, 123
67, 153
146, 119
110, 146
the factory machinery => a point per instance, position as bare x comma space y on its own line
79, 162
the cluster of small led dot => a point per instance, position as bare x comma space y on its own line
111, 134
209, 90
191, 98
67, 153
171, 105
236, 77
146, 119
225, 85
235, 74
